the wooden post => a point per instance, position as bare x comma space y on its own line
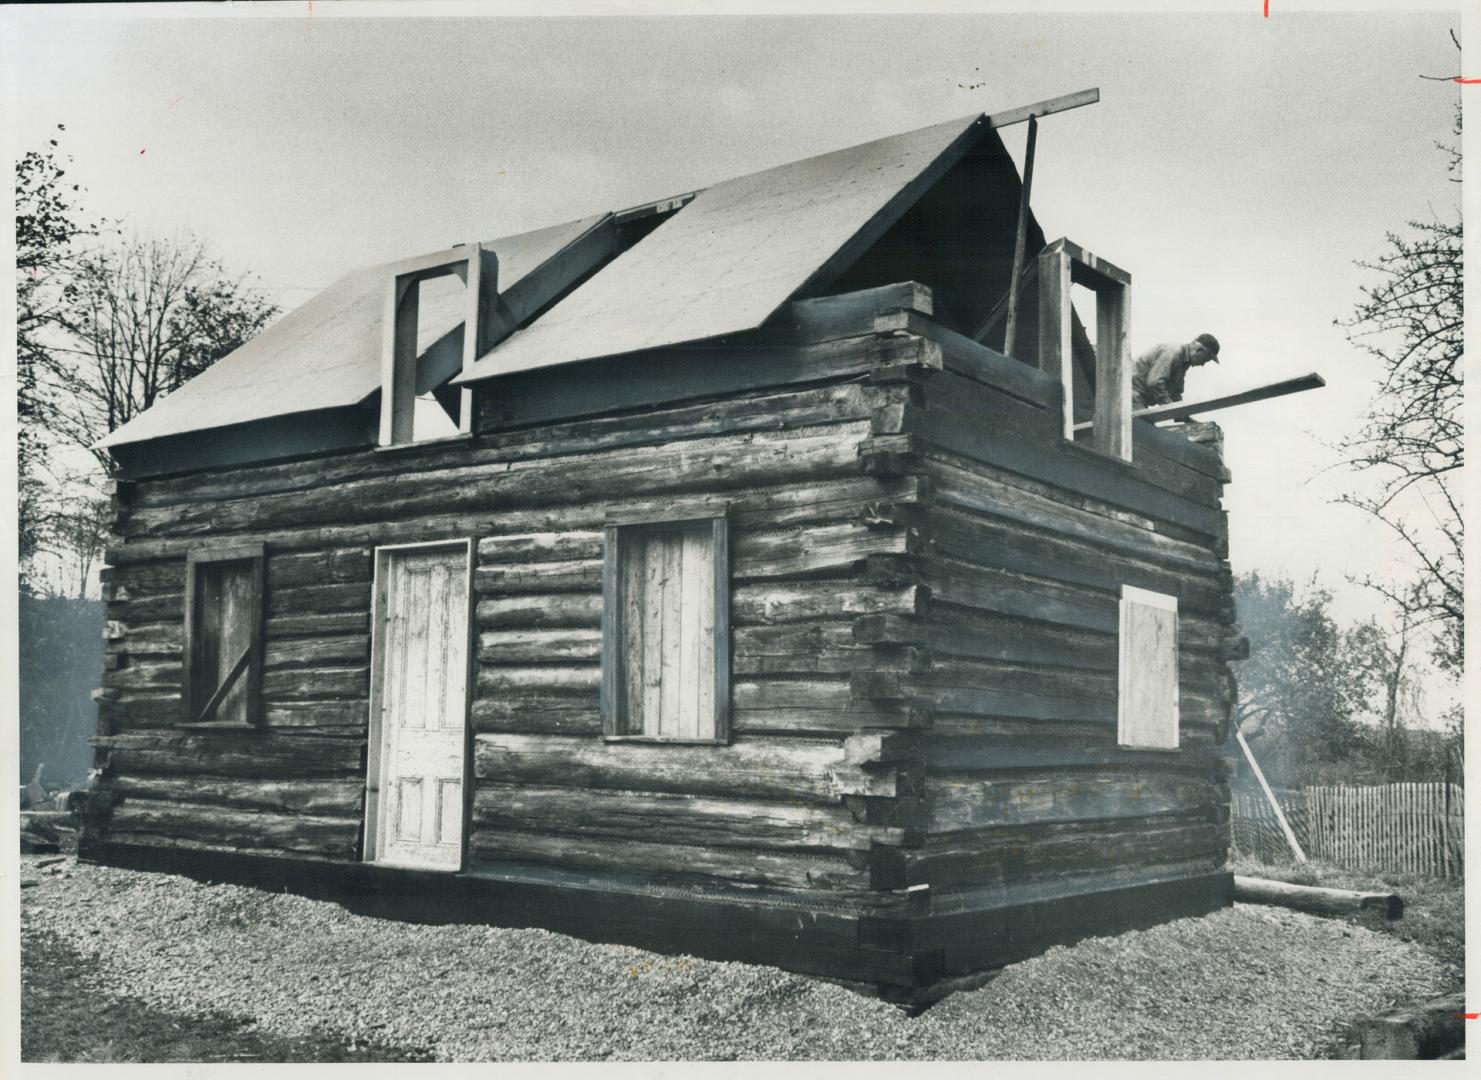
481, 279
399, 330
1054, 327
1445, 826
1112, 433
399, 361
1022, 237
1285, 826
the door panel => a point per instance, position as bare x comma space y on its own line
423, 655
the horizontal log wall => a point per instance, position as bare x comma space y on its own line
781, 807
923, 604
1027, 541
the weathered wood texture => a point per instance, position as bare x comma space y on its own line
1026, 542
923, 591
1310, 898
778, 463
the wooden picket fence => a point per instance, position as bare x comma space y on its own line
1395, 828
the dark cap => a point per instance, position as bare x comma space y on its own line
1211, 343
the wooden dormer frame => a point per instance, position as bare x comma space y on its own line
1062, 264
478, 268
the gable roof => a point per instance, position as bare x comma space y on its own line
722, 263
327, 353
736, 253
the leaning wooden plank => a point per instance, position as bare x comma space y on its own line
1181, 409
1311, 898
1021, 236
1280, 816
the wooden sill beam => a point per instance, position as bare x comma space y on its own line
1183, 409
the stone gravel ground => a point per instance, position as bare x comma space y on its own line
287, 972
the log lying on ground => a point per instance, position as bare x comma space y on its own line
1425, 1032
1249, 890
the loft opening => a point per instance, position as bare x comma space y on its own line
417, 401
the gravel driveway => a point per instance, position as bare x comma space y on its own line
1247, 982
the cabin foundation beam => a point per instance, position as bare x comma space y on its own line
913, 955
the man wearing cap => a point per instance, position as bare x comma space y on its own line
1158, 376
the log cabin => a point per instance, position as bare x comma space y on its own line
714, 576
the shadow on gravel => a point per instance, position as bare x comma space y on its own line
63, 1020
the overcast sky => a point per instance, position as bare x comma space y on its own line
1236, 165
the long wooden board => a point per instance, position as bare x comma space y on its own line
1180, 409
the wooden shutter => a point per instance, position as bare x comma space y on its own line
1147, 713
665, 640
223, 637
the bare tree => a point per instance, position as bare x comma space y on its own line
1388, 659
1411, 319
143, 318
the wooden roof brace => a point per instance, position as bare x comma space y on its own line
1022, 237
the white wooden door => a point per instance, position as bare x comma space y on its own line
422, 705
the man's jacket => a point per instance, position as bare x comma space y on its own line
1158, 376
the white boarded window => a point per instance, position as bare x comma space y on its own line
1147, 713
665, 631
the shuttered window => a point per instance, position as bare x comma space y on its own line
222, 674
1147, 714
665, 631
